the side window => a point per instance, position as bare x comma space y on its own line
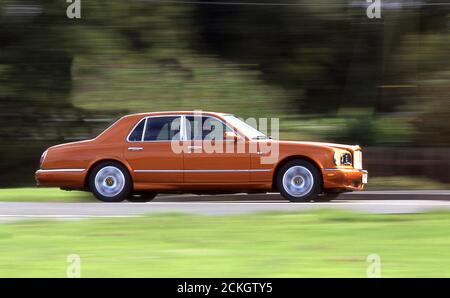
205, 128
136, 134
162, 129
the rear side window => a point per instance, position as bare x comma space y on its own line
162, 129
136, 134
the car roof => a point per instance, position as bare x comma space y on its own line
179, 113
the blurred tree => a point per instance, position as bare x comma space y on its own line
328, 53
318, 49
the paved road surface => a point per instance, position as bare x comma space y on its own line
373, 202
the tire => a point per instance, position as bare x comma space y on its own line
142, 197
299, 181
110, 182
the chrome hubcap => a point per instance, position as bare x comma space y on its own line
109, 181
298, 181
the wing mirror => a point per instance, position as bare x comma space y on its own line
231, 135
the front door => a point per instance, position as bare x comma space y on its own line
150, 153
210, 159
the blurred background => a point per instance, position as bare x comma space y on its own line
323, 67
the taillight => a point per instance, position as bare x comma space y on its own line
42, 158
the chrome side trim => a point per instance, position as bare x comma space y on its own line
200, 171
60, 170
345, 170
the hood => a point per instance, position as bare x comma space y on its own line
323, 145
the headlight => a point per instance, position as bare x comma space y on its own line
342, 158
337, 158
346, 159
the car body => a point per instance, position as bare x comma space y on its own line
148, 153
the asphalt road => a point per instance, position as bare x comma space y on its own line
367, 201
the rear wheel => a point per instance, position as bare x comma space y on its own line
110, 182
299, 181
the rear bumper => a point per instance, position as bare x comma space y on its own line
344, 179
64, 178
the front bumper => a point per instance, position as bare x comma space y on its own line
344, 179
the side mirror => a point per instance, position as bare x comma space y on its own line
231, 135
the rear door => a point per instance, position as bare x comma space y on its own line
150, 153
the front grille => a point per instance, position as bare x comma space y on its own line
357, 160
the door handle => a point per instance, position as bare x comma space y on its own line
135, 148
193, 148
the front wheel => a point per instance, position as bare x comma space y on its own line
142, 197
299, 181
327, 197
110, 182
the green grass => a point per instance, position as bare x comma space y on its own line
322, 243
34, 194
404, 182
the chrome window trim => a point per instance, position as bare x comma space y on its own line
210, 116
201, 171
183, 128
241, 133
134, 127
60, 170
145, 128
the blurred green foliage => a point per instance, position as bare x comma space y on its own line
194, 82
33, 194
404, 182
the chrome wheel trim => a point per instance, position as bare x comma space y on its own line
109, 181
298, 181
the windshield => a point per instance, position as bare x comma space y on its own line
244, 128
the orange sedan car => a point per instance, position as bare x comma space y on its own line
144, 154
